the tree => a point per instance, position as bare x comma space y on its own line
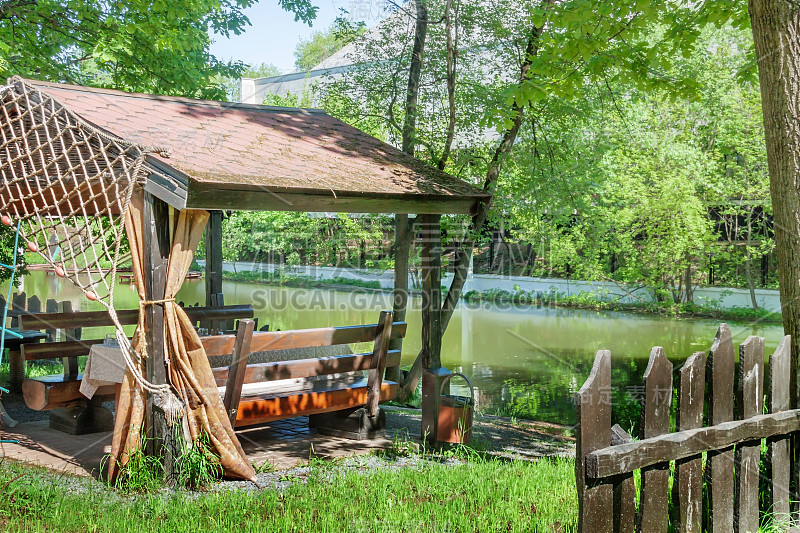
323, 44
140, 45
776, 32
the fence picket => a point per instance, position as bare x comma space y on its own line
593, 404
654, 500
719, 464
624, 490
778, 458
749, 401
687, 487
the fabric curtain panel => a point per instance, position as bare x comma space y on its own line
188, 368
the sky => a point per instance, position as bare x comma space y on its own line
274, 34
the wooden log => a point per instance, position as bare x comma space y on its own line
687, 487
64, 350
719, 464
778, 447
16, 363
749, 400
127, 317
593, 405
654, 502
46, 393
18, 303
624, 489
381, 347
313, 338
233, 387
303, 368
156, 230
213, 281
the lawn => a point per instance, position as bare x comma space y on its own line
475, 495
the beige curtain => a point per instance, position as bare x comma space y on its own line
188, 368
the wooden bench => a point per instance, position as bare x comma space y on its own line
60, 394
333, 390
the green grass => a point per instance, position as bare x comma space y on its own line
475, 496
291, 280
586, 300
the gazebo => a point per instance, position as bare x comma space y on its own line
217, 156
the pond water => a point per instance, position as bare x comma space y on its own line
524, 361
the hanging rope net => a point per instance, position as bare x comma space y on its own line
67, 186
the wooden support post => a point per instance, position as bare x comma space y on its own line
213, 256
433, 374
156, 258
403, 233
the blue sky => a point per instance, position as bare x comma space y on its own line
274, 34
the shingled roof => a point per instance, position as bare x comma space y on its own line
242, 156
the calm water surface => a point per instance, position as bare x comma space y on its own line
524, 361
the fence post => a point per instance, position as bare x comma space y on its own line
778, 448
687, 487
593, 405
749, 400
719, 465
654, 499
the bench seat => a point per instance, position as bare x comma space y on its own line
315, 397
45, 393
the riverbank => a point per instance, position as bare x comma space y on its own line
519, 297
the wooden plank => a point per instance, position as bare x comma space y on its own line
749, 400
624, 489
778, 447
719, 473
254, 410
313, 338
34, 305
687, 487
127, 317
303, 368
233, 387
218, 345
593, 405
52, 392
218, 196
654, 502
18, 302
51, 306
381, 347
431, 239
612, 461
54, 350
70, 363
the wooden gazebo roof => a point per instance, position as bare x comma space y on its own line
254, 157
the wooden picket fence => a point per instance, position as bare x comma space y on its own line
606, 456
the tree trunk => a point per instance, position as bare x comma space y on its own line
466, 247
776, 31
414, 75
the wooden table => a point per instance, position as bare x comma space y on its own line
16, 362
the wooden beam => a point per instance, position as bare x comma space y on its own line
431, 236
127, 317
402, 245
625, 458
213, 256
241, 351
265, 341
218, 196
156, 258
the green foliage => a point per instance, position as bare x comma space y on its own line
152, 46
323, 44
198, 467
142, 473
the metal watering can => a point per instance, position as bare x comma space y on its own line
455, 413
